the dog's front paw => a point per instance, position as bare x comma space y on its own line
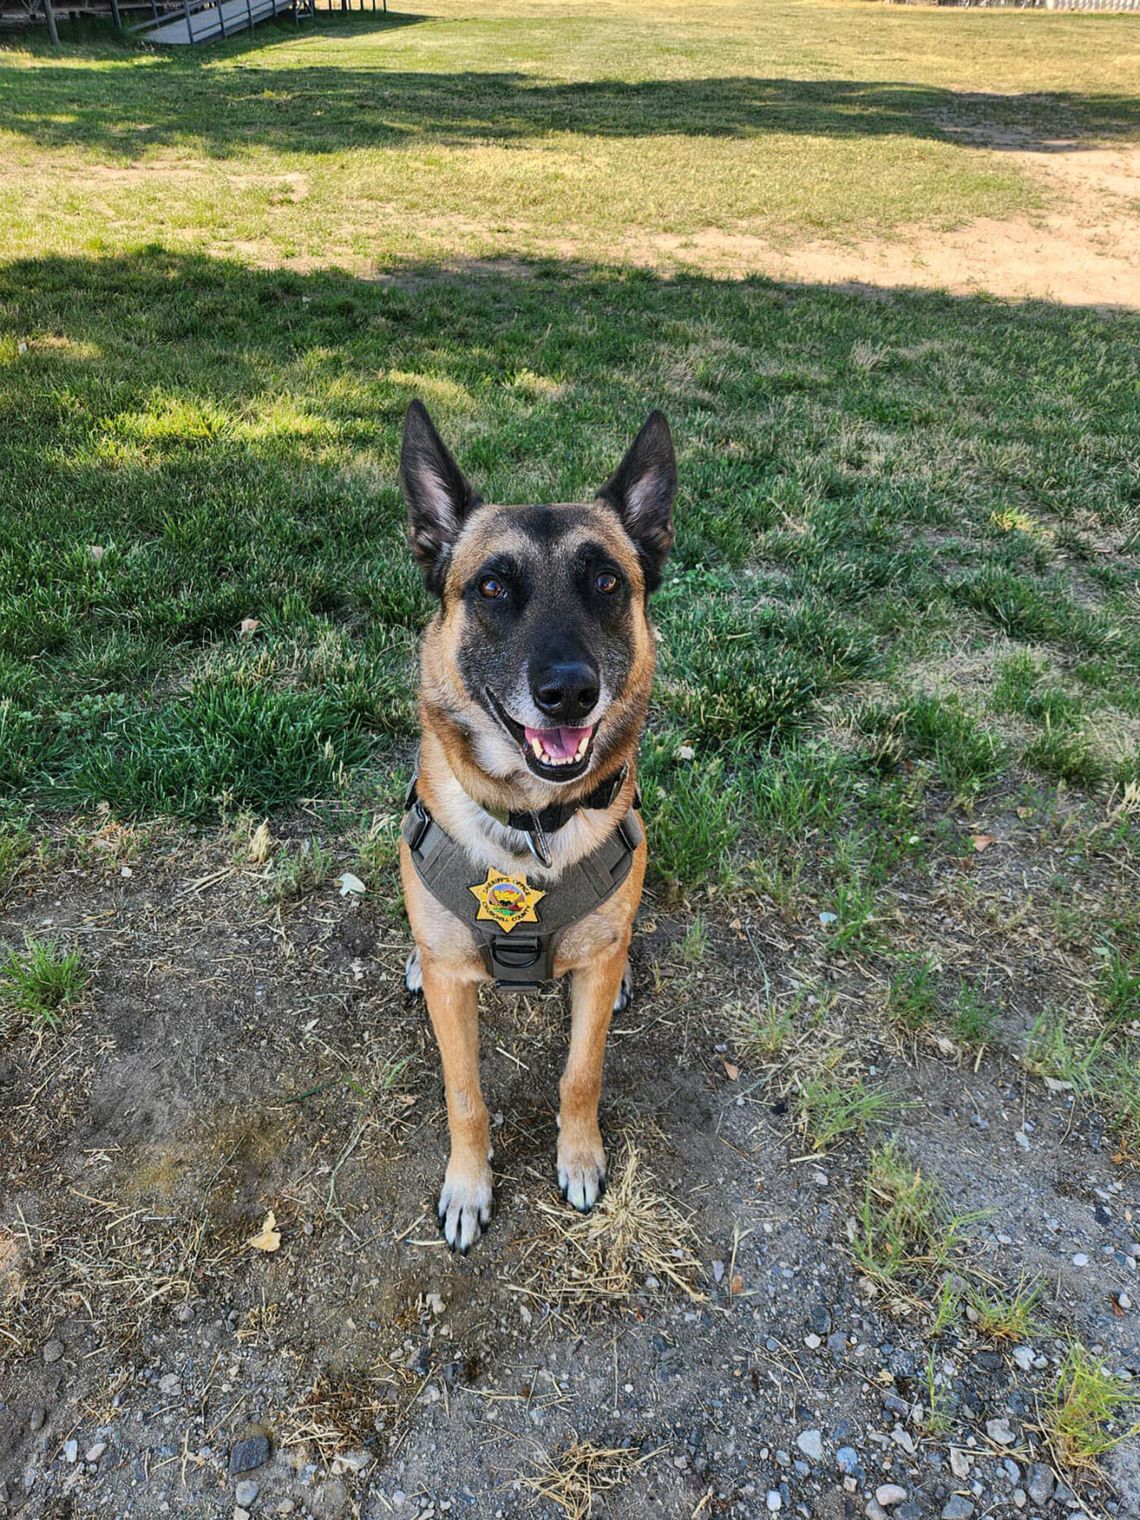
465, 1204
582, 1171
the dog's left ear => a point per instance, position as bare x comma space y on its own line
642, 490
437, 494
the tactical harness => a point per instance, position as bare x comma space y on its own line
515, 959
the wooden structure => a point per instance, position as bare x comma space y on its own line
166, 23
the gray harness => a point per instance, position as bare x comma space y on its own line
519, 957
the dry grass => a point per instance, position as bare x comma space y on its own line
635, 1233
571, 1478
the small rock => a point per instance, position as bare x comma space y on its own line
248, 1454
93, 1453
1080, 1259
847, 1459
1023, 1356
70, 1450
718, 1271
904, 1439
185, 1314
685, 753
812, 1342
351, 1461
957, 1508
960, 1462
773, 1501
171, 1384
53, 1350
874, 1510
999, 1431
245, 1494
810, 1442
1040, 1483
241, 1514
1123, 1301
889, 1494
36, 1418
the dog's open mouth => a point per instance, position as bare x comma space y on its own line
555, 754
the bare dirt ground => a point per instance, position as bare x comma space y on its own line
236, 1056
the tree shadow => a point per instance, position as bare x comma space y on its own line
321, 109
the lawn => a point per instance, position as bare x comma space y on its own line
898, 706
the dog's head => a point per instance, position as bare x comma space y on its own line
541, 654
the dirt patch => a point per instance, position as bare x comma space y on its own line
236, 1055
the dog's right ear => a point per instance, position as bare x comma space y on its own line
437, 495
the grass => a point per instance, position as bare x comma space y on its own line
974, 1021
15, 846
41, 983
1002, 1315
903, 1227
833, 1105
1091, 1410
268, 491
911, 994
365, 138
301, 869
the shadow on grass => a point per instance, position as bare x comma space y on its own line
226, 439
186, 98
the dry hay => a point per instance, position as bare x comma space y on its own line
634, 1233
572, 1477
343, 1411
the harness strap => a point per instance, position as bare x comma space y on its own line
516, 959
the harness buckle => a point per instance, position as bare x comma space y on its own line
420, 825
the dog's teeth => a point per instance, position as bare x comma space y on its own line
536, 745
582, 747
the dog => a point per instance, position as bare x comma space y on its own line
522, 855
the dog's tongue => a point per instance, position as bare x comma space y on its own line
559, 743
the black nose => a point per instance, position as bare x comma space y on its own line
566, 689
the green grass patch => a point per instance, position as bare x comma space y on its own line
832, 1105
1090, 1410
42, 982
912, 993
963, 752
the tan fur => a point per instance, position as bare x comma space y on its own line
468, 764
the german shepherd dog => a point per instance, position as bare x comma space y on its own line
535, 674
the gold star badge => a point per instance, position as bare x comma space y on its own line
506, 900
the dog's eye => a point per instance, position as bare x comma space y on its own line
607, 583
492, 588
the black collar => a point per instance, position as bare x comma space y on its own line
550, 819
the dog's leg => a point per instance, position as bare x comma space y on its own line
581, 1157
465, 1201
